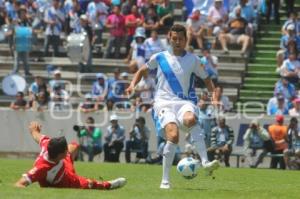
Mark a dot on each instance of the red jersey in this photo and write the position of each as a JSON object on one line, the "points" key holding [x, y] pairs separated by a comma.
{"points": [[132, 18], [51, 174]]}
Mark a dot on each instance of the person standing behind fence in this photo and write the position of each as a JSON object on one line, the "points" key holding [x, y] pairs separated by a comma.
{"points": [[254, 146], [278, 133], [23, 55], [116, 24], [54, 19]]}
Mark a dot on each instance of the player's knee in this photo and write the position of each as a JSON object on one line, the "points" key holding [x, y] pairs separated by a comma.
{"points": [[189, 120], [171, 131]]}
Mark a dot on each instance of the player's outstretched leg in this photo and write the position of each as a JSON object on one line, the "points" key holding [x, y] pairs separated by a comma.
{"points": [[199, 143], [117, 183], [104, 185]]}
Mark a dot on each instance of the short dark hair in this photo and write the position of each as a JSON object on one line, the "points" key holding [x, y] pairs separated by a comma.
{"points": [[20, 93], [141, 119], [178, 28], [57, 146], [91, 119]]}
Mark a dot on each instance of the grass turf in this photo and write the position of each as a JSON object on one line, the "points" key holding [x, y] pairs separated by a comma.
{"points": [[143, 182]]}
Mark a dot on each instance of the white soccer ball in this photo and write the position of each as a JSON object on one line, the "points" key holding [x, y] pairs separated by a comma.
{"points": [[188, 167]]}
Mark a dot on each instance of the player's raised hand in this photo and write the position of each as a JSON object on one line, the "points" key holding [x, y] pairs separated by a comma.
{"points": [[35, 126]]}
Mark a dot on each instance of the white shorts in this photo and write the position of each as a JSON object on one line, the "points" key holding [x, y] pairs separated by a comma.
{"points": [[173, 111]]}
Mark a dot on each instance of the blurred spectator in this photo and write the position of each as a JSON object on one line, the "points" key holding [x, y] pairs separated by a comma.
{"points": [[85, 27], [273, 4], [138, 140], [165, 11], [291, 68], [289, 6], [114, 139], [59, 98], [132, 22], [73, 16], [284, 44], [254, 143], [222, 137], [116, 25], [20, 54], [151, 21], [126, 7], [295, 111], [145, 90], [41, 102], [217, 17], [54, 18], [277, 105], [88, 105], [292, 20], [278, 133], [195, 29], [203, 6], [116, 90], [153, 45], [20, 103], [90, 139], [293, 137], [36, 87], [99, 89], [287, 89], [136, 55], [206, 118], [97, 12], [210, 64], [236, 34], [248, 13], [56, 80], [220, 101]]}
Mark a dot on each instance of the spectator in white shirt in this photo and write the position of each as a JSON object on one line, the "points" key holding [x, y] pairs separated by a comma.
{"points": [[195, 29], [295, 112], [221, 102], [153, 45], [291, 68], [217, 17]]}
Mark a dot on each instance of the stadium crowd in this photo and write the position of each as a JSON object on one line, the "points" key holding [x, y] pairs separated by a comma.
{"points": [[137, 25]]}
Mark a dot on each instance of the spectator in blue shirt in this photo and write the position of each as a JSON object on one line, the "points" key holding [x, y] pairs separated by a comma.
{"points": [[115, 89], [99, 89], [114, 139], [287, 89], [278, 105], [284, 41]]}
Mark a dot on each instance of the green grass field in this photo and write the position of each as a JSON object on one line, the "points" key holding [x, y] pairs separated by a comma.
{"points": [[143, 182]]}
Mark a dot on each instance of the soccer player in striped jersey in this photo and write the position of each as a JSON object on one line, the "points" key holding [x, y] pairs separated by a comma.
{"points": [[175, 99]]}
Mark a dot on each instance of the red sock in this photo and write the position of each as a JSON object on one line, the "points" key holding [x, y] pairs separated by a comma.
{"points": [[101, 185]]}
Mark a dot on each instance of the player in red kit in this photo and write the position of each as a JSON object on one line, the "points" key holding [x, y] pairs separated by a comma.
{"points": [[54, 165]]}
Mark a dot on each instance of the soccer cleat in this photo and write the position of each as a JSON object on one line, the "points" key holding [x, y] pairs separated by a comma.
{"points": [[209, 167], [165, 185], [117, 183]]}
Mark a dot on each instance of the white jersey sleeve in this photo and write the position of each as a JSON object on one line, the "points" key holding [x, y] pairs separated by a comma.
{"points": [[152, 63], [199, 70]]}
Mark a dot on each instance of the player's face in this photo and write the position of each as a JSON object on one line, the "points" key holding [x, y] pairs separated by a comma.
{"points": [[177, 40]]}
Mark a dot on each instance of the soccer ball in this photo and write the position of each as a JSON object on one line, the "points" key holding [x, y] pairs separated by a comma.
{"points": [[188, 167]]}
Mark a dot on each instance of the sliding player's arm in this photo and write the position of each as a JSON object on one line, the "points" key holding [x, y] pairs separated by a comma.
{"points": [[35, 130]]}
